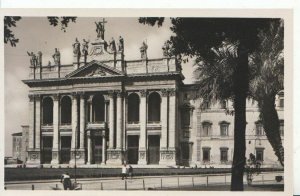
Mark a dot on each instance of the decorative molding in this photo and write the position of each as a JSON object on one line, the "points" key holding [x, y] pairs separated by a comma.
{"points": [[172, 91], [31, 97], [55, 97], [143, 93], [111, 94], [164, 92], [119, 93]]}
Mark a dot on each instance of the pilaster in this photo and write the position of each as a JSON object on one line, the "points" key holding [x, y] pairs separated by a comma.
{"points": [[55, 147], [143, 124], [74, 128]]}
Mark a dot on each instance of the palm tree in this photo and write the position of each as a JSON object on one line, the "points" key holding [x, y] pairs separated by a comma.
{"points": [[267, 69]]}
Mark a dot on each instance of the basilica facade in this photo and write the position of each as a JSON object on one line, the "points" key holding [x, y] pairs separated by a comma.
{"points": [[103, 109]]}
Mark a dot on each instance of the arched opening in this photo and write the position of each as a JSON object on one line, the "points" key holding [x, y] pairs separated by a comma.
{"points": [[133, 108], [47, 111], [98, 108], [66, 110], [154, 107]]}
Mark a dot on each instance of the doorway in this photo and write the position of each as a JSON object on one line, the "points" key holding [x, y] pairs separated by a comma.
{"points": [[47, 142], [65, 149], [133, 149], [97, 149], [153, 149]]}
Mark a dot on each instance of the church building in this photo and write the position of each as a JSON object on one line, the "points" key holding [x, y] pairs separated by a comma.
{"points": [[104, 109]]}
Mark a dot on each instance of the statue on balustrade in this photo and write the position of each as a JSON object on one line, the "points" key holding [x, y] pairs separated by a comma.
{"points": [[85, 47], [33, 59], [143, 50], [39, 58], [56, 57], [112, 45], [100, 29], [76, 50], [121, 44]]}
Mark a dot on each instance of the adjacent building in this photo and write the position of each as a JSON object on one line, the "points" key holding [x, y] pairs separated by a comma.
{"points": [[20, 144], [103, 109]]}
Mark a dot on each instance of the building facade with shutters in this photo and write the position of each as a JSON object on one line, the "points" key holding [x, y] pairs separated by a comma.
{"points": [[102, 109]]}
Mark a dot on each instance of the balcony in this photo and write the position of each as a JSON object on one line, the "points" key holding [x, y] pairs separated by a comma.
{"points": [[133, 125], [97, 125]]}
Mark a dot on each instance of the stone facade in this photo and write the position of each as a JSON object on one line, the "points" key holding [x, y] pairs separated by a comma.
{"points": [[20, 144], [103, 109]]}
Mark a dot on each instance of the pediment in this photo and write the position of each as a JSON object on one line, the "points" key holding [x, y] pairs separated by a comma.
{"points": [[94, 69]]}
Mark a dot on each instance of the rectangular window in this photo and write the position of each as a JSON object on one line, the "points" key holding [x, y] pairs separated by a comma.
{"points": [[259, 129], [206, 154], [224, 129], [224, 154], [206, 127], [259, 154]]}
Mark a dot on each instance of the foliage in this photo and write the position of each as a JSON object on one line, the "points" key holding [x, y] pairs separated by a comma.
{"points": [[10, 21], [63, 21]]}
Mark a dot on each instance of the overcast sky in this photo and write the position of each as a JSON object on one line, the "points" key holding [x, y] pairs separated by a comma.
{"points": [[35, 34]]}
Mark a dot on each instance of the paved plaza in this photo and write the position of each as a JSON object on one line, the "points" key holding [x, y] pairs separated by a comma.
{"points": [[262, 182]]}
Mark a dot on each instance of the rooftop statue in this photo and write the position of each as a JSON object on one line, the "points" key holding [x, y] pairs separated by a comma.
{"points": [[85, 47], [143, 50], [121, 44], [33, 59], [39, 58], [112, 45], [56, 57], [76, 50], [100, 29]]}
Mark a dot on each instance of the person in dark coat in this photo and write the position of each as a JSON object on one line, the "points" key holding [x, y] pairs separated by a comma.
{"points": [[66, 180], [130, 171]]}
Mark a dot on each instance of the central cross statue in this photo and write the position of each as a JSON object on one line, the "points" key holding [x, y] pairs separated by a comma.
{"points": [[100, 28]]}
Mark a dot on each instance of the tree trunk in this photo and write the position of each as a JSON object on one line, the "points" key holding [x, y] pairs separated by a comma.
{"points": [[271, 125], [241, 85]]}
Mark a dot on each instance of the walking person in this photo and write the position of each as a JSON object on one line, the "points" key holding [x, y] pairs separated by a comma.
{"points": [[124, 171], [130, 171], [66, 180]]}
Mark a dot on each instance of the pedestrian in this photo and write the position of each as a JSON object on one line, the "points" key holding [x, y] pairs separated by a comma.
{"points": [[124, 171], [66, 180], [130, 171]]}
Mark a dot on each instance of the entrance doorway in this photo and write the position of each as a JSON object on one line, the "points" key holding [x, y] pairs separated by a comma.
{"points": [[65, 149], [153, 149], [97, 149], [47, 142], [133, 149]]}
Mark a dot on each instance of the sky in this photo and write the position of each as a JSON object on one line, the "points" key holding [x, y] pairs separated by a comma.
{"points": [[35, 34]]}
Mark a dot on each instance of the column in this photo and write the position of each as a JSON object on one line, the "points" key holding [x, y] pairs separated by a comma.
{"points": [[55, 147], [103, 149], [82, 120], [111, 120], [172, 118], [164, 127], [164, 120], [171, 159], [74, 128], [143, 129], [33, 154], [74, 121], [89, 150], [31, 122], [37, 122], [119, 120], [81, 151]]}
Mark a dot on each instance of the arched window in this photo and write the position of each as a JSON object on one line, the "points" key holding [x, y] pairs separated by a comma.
{"points": [[154, 107], [133, 108], [47, 111], [66, 110], [98, 108]]}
